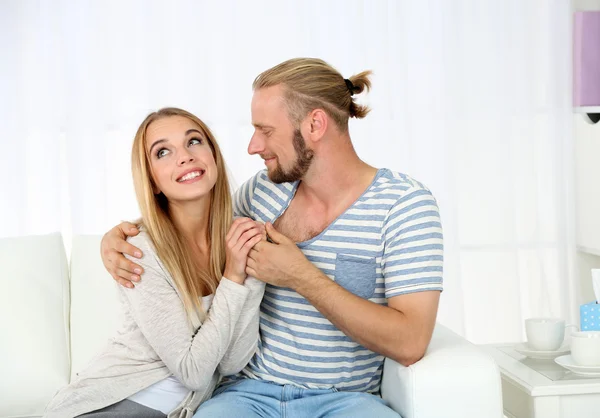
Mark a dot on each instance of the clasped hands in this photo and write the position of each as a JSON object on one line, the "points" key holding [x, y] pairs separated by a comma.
{"points": [[279, 262]]}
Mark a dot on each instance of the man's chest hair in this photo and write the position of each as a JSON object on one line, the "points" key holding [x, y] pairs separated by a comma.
{"points": [[301, 224]]}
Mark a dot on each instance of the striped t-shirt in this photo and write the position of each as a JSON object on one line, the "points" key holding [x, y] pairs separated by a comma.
{"points": [[388, 243]]}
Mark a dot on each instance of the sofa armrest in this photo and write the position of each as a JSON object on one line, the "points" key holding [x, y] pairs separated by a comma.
{"points": [[454, 379]]}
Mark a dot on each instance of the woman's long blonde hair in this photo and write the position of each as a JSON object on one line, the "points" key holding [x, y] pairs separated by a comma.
{"points": [[173, 251]]}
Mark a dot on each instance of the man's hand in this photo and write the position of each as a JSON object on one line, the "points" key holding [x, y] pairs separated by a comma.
{"points": [[113, 246], [280, 263]]}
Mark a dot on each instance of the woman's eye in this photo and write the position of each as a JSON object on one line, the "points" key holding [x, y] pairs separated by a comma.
{"points": [[195, 141], [162, 152]]}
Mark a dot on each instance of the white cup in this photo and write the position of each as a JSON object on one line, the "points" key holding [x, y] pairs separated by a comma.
{"points": [[585, 348], [545, 334]]}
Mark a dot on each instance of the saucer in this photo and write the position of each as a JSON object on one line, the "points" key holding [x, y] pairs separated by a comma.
{"points": [[524, 349], [568, 363]]}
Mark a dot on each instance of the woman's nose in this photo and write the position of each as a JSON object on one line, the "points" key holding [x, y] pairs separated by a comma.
{"points": [[185, 158]]}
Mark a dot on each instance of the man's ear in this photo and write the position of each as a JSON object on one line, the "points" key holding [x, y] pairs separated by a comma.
{"points": [[318, 120]]}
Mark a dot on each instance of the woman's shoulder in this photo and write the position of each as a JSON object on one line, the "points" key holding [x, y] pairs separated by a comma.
{"points": [[150, 260], [143, 242], [142, 238]]}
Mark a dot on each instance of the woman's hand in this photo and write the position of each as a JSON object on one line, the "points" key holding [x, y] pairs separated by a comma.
{"points": [[242, 236]]}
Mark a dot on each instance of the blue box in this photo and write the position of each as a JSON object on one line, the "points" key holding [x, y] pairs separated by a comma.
{"points": [[589, 316]]}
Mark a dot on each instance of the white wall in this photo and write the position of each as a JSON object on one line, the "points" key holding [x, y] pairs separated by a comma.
{"points": [[480, 114]]}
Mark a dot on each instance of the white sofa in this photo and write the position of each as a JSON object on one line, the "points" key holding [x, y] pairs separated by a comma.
{"points": [[54, 317]]}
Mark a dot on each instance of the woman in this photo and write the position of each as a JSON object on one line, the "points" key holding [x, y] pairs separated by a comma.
{"points": [[171, 349]]}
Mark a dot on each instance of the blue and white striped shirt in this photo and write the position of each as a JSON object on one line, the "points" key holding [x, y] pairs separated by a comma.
{"points": [[388, 243]]}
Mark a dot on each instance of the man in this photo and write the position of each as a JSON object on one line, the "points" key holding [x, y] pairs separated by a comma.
{"points": [[354, 263]]}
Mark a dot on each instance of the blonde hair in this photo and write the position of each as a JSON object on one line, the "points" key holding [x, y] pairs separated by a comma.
{"points": [[311, 83], [170, 245]]}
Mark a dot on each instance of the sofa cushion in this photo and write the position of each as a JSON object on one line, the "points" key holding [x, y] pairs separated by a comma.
{"points": [[95, 309], [34, 306]]}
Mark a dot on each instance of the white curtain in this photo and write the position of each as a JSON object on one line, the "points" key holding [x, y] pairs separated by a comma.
{"points": [[470, 97]]}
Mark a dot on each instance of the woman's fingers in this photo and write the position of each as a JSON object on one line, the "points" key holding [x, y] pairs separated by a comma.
{"points": [[246, 236], [237, 227], [251, 243]]}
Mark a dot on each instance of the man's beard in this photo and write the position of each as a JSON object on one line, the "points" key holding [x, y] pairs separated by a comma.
{"points": [[301, 165]]}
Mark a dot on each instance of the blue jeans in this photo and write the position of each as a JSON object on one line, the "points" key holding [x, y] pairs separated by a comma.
{"points": [[253, 398]]}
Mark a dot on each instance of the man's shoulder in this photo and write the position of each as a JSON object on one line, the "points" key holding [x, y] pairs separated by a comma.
{"points": [[260, 197], [261, 181], [398, 184]]}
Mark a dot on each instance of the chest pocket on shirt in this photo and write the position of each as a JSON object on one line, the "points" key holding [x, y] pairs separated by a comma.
{"points": [[356, 274]]}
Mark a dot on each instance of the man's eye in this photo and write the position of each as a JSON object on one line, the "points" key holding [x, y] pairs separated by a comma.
{"points": [[196, 141], [162, 152]]}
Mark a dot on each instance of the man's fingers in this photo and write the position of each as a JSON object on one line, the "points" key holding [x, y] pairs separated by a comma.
{"points": [[124, 264], [126, 248], [124, 274], [250, 271], [251, 263], [276, 236], [123, 282], [128, 229], [252, 254], [263, 232]]}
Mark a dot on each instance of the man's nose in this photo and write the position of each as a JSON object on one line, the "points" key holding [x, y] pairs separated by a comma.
{"points": [[256, 145]]}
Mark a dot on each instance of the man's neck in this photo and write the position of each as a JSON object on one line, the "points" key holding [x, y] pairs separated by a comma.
{"points": [[336, 175]]}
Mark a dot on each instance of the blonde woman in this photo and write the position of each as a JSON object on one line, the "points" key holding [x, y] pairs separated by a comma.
{"points": [[194, 316]]}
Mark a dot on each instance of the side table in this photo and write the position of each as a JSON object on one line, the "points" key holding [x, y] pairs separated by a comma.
{"points": [[534, 388]]}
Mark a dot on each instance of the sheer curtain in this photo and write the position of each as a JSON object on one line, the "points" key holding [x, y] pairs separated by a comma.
{"points": [[471, 98]]}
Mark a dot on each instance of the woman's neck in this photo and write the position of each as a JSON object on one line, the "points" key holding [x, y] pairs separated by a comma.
{"points": [[191, 218]]}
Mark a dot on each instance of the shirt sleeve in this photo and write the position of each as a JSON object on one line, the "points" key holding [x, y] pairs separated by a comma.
{"points": [[413, 253], [242, 198], [191, 355]]}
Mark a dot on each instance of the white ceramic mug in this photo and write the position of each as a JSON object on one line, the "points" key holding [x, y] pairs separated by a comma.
{"points": [[585, 348], [545, 334]]}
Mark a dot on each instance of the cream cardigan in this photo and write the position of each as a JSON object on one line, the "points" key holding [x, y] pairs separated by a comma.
{"points": [[157, 339]]}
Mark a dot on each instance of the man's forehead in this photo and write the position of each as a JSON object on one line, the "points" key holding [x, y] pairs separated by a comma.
{"points": [[267, 103], [272, 97]]}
